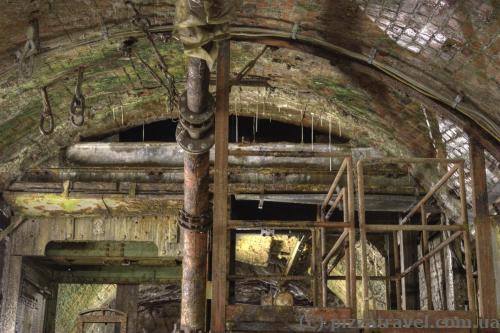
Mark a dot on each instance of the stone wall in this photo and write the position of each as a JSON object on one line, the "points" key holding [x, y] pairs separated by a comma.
{"points": [[75, 298]]}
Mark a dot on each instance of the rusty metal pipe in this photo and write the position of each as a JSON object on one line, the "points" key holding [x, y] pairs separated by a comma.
{"points": [[196, 204], [198, 79]]}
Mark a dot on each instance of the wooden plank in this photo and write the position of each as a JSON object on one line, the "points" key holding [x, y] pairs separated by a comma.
{"points": [[11, 289], [118, 274], [412, 227], [285, 225], [50, 205], [432, 253], [220, 252], [11, 228], [49, 320], [427, 264], [127, 296], [487, 284], [280, 318]]}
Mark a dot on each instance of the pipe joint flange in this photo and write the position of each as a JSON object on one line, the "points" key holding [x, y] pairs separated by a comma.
{"points": [[197, 124], [200, 223], [193, 117], [191, 145]]}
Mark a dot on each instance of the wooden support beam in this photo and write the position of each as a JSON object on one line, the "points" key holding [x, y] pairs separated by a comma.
{"points": [[220, 253], [118, 274], [11, 290], [11, 227], [397, 268], [49, 320], [87, 205], [427, 264], [381, 228], [127, 297], [432, 253], [285, 225], [281, 318], [484, 232]]}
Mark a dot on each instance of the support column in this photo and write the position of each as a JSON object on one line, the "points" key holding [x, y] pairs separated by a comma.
{"points": [[49, 320], [220, 235], [11, 289], [195, 136], [126, 301], [410, 284], [484, 233]]}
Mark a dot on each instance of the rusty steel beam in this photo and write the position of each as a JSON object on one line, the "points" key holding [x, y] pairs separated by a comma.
{"points": [[484, 231], [195, 214], [221, 180]]}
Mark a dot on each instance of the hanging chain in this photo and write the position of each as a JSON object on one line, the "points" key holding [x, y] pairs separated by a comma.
{"points": [[46, 116], [144, 24], [77, 106], [25, 56]]}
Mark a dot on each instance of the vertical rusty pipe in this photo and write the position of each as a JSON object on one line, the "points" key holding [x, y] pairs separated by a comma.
{"points": [[196, 203], [198, 79]]}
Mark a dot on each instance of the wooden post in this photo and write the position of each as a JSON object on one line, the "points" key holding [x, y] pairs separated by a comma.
{"points": [[427, 263], [11, 289], [49, 319], [220, 253], [484, 233], [471, 295], [410, 283], [397, 268], [363, 239], [126, 301], [352, 239]]}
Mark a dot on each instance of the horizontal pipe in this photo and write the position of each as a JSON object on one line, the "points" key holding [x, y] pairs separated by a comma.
{"points": [[176, 175], [169, 154]]}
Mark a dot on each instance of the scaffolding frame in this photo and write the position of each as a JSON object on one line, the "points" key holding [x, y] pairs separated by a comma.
{"points": [[459, 231], [319, 256]]}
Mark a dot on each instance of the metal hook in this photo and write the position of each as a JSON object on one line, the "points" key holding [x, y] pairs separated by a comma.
{"points": [[77, 106], [46, 114]]}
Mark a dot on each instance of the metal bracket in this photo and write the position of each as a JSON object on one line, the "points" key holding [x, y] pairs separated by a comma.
{"points": [[200, 223], [195, 131], [267, 232]]}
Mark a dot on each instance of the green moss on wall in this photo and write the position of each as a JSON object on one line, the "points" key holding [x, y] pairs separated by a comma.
{"points": [[75, 298]]}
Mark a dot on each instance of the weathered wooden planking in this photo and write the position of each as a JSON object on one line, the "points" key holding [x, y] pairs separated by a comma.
{"points": [[240, 317], [51, 205], [31, 238]]}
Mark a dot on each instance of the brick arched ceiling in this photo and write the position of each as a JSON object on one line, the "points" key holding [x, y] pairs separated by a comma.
{"points": [[363, 49]]}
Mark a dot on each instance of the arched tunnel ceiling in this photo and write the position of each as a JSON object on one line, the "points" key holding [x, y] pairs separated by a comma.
{"points": [[359, 101]]}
